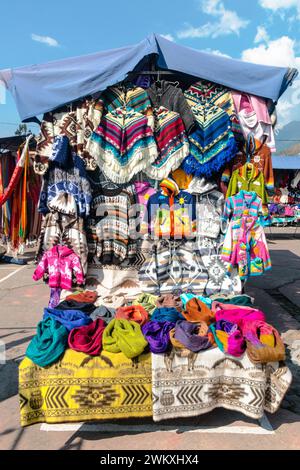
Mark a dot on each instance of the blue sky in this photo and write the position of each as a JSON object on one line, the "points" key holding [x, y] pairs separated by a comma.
{"points": [[35, 32]]}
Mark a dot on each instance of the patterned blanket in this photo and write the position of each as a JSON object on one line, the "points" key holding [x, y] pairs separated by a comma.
{"points": [[82, 388], [198, 383]]}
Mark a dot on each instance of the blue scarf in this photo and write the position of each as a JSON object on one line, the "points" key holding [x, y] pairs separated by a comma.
{"points": [[170, 314], [68, 318]]}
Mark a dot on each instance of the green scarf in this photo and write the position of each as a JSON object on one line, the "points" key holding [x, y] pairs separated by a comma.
{"points": [[148, 301], [49, 343], [124, 336]]}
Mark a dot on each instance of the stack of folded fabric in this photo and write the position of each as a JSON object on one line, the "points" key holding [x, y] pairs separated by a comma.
{"points": [[103, 312], [88, 296], [240, 316]]}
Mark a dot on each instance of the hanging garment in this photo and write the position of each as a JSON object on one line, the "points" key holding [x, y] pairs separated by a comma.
{"points": [[260, 156], [77, 122], [247, 178], [170, 213], [58, 182], [54, 297], [59, 263], [123, 144], [112, 229], [143, 191], [209, 209], [220, 280], [172, 144], [58, 228], [212, 143], [254, 118], [173, 267], [204, 92], [171, 97], [125, 94]]}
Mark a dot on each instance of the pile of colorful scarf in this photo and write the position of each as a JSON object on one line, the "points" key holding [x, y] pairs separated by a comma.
{"points": [[68, 318], [186, 297], [240, 316], [135, 313], [157, 335], [193, 336], [88, 338], [169, 314], [124, 336], [263, 342], [49, 343], [196, 311], [228, 337]]}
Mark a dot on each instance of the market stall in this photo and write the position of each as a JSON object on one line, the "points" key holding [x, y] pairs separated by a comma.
{"points": [[156, 178]]}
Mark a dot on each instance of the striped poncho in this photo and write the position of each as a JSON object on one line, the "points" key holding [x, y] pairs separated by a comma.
{"points": [[123, 144], [171, 141]]}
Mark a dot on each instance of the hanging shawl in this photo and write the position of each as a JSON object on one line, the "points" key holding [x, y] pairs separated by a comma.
{"points": [[69, 318], [49, 343], [228, 337], [88, 338], [124, 336], [135, 313], [123, 144], [193, 336], [158, 335], [263, 342]]}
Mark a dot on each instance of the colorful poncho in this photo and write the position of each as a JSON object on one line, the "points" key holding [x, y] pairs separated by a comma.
{"points": [[171, 141], [123, 144], [212, 143]]}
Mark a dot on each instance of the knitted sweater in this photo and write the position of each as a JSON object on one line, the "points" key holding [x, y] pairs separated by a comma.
{"points": [[247, 178], [112, 226], [143, 192]]}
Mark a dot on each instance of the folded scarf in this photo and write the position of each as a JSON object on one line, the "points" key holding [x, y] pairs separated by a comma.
{"points": [[103, 312], [135, 313], [175, 343], [192, 335], [85, 307], [88, 296], [216, 305], [263, 343], [169, 301], [148, 301], [49, 343], [68, 318], [244, 299], [158, 335], [186, 297], [228, 337], [124, 336], [196, 311], [88, 338], [166, 314], [240, 316]]}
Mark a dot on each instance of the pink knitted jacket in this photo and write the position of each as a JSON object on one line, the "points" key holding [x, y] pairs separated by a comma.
{"points": [[59, 262]]}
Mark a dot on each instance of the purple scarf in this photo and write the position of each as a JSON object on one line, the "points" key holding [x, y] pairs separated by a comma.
{"points": [[187, 333], [158, 335]]}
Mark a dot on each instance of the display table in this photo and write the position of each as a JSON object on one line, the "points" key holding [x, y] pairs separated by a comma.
{"points": [[110, 386]]}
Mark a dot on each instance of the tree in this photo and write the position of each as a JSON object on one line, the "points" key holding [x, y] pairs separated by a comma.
{"points": [[22, 130]]}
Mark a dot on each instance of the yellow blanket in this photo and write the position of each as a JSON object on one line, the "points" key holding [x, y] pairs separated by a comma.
{"points": [[82, 388]]}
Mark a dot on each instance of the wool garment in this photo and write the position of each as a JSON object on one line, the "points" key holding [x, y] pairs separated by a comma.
{"points": [[148, 301], [192, 335], [263, 342], [68, 318], [175, 343], [172, 144], [124, 336], [87, 296], [228, 337], [201, 185], [49, 343], [205, 92], [240, 316], [196, 311], [135, 313], [216, 305], [188, 296], [169, 301], [85, 307], [247, 178], [103, 312], [143, 191], [134, 97], [181, 178], [241, 300], [157, 334], [54, 297], [169, 314], [88, 338], [123, 144]]}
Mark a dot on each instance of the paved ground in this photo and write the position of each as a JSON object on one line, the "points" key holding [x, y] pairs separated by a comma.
{"points": [[278, 294]]}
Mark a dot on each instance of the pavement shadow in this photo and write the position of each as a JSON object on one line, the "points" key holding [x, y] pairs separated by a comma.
{"points": [[9, 385]]}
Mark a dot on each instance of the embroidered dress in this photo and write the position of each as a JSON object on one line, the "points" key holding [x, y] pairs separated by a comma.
{"points": [[123, 144], [171, 141]]}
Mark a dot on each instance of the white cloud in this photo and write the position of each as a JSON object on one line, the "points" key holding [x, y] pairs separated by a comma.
{"points": [[227, 22], [261, 35], [170, 37], [279, 52], [279, 6], [45, 40], [216, 52]]}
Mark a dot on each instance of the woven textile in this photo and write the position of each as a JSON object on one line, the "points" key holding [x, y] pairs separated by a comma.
{"points": [[203, 92], [123, 144], [190, 385], [171, 141], [82, 388]]}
